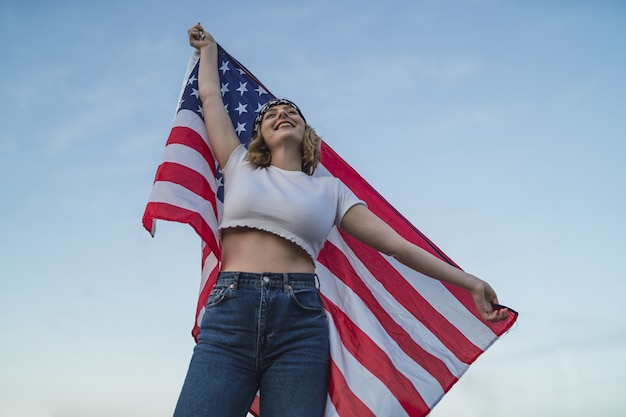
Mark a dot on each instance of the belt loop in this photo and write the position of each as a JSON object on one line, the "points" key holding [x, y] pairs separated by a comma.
{"points": [[235, 283], [285, 282]]}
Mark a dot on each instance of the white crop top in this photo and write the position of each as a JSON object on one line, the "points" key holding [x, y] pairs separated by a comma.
{"points": [[290, 204]]}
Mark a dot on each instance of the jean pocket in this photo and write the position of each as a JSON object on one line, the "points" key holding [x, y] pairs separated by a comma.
{"points": [[307, 299], [218, 295]]}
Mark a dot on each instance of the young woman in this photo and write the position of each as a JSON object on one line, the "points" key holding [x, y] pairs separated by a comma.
{"points": [[264, 327]]}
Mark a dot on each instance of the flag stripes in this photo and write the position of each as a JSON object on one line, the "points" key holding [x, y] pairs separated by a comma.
{"points": [[369, 354], [399, 340], [390, 293], [342, 401], [339, 168], [396, 332], [418, 299]]}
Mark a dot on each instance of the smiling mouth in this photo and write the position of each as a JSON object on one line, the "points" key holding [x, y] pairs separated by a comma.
{"points": [[284, 124]]}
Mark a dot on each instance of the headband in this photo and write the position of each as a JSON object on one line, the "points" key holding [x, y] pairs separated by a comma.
{"points": [[273, 103]]}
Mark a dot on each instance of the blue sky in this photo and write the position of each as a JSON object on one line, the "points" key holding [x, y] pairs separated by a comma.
{"points": [[496, 127]]}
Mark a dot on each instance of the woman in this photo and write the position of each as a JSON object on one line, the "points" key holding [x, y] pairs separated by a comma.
{"points": [[264, 327]]}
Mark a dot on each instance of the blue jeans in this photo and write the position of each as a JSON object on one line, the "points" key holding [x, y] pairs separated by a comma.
{"points": [[264, 332]]}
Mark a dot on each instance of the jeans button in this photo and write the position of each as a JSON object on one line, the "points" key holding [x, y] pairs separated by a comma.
{"points": [[266, 279]]}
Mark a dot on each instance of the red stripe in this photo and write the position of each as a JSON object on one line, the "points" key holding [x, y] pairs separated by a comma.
{"points": [[398, 286], [205, 291], [345, 401], [379, 206], [189, 179], [207, 250], [255, 408], [375, 360], [186, 136], [169, 212], [355, 341], [376, 203], [336, 261]]}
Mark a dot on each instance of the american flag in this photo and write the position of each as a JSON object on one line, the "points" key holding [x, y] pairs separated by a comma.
{"points": [[399, 340]]}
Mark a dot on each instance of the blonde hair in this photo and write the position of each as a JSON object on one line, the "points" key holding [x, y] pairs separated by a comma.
{"points": [[259, 154]]}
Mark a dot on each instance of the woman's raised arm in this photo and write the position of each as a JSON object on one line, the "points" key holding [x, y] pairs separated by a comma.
{"points": [[222, 136]]}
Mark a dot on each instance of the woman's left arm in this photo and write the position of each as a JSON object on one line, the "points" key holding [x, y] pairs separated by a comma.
{"points": [[365, 226]]}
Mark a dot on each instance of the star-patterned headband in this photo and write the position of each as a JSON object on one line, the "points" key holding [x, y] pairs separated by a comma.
{"points": [[269, 105]]}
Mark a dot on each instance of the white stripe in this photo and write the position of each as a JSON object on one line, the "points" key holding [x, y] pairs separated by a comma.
{"points": [[192, 120], [475, 330], [200, 315], [330, 411], [343, 297], [210, 263], [179, 196], [438, 296], [195, 57], [190, 158], [369, 389], [415, 328]]}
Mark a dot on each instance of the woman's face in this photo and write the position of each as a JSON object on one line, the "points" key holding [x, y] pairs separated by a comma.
{"points": [[280, 123]]}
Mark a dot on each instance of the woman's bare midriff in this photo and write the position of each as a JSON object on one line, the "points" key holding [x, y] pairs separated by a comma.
{"points": [[252, 250]]}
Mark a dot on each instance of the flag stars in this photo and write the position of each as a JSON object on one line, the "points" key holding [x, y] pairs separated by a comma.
{"points": [[224, 89], [242, 87], [224, 67], [242, 108], [195, 93], [260, 90], [241, 127], [192, 79]]}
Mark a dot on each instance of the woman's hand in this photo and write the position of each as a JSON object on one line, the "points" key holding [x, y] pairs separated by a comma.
{"points": [[486, 301], [198, 38]]}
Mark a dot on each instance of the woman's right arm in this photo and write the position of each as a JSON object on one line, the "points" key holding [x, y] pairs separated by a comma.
{"points": [[222, 136]]}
